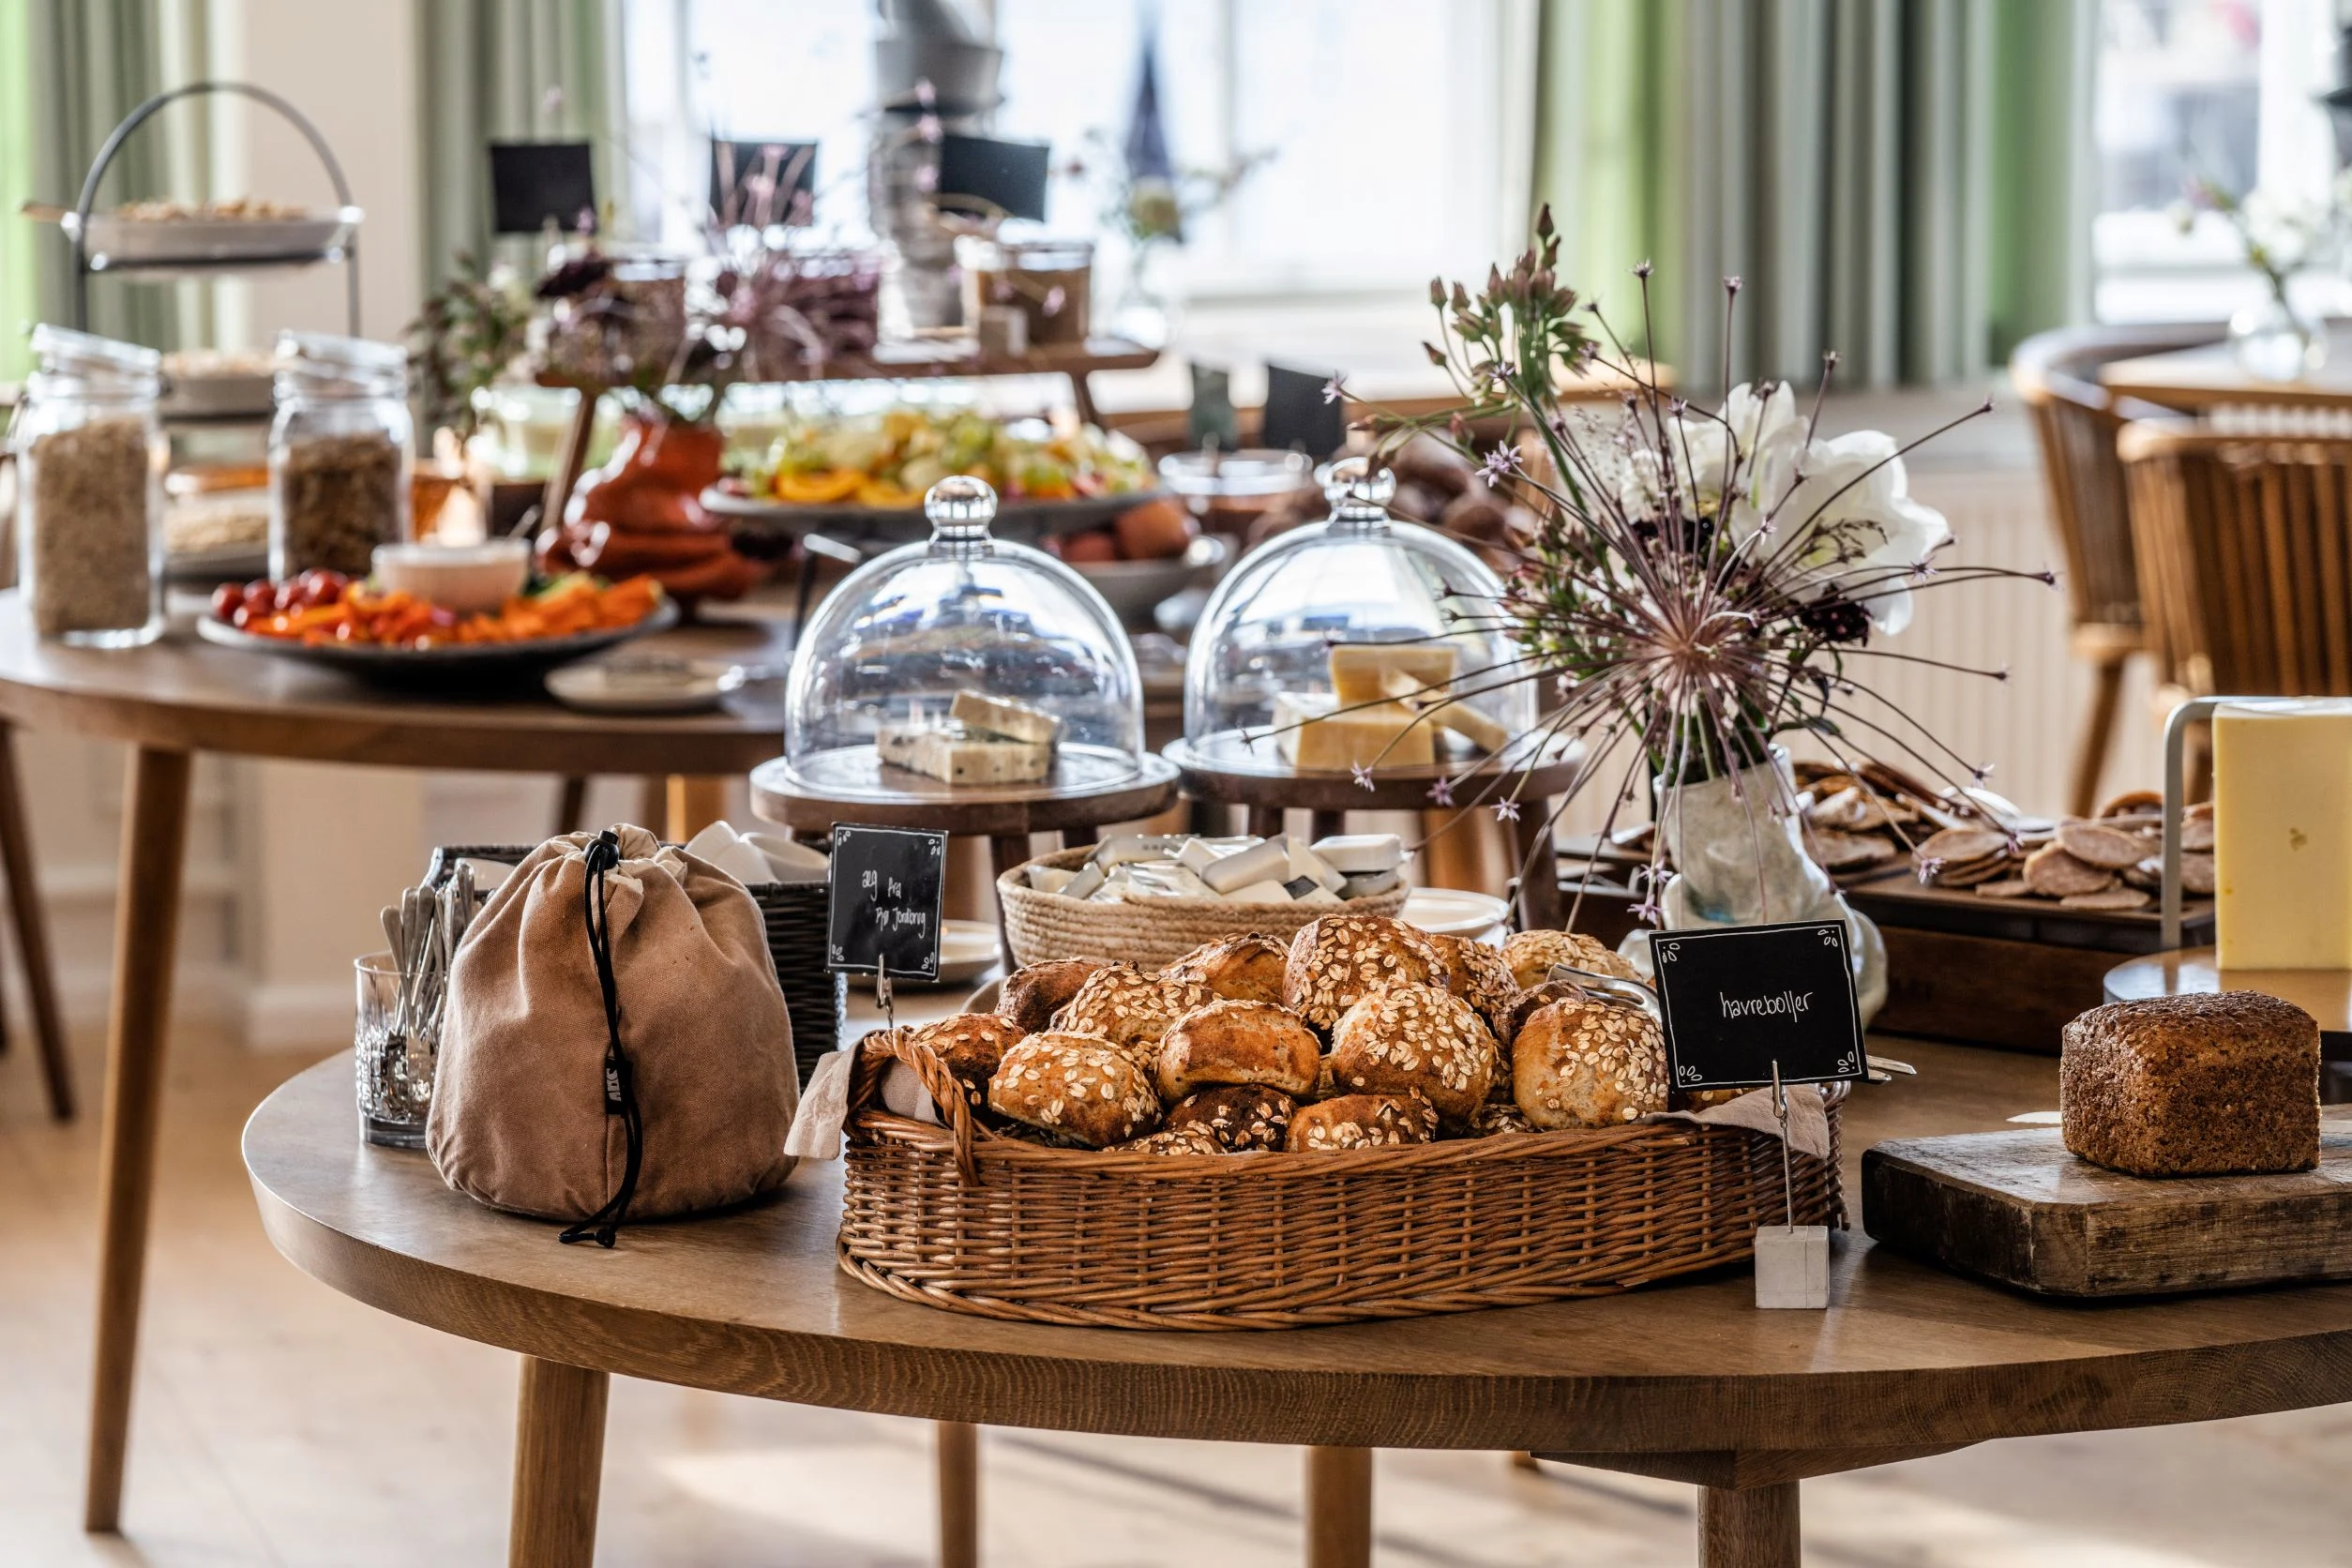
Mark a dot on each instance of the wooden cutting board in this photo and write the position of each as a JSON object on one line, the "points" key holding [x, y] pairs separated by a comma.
{"points": [[2017, 1208]]}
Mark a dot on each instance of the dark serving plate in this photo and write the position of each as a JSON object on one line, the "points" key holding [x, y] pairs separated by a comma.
{"points": [[503, 663]]}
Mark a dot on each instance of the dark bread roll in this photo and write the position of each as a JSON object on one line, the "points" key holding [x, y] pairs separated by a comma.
{"points": [[1362, 1121], [1533, 953], [1238, 1042], [1130, 1008], [1416, 1040], [971, 1044], [1079, 1086], [1588, 1063], [2200, 1085], [1239, 1116], [1237, 968], [1336, 959], [1481, 976], [1175, 1140], [1528, 1001], [1032, 993]]}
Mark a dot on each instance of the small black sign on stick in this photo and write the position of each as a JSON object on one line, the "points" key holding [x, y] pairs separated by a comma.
{"points": [[1739, 998], [883, 918]]}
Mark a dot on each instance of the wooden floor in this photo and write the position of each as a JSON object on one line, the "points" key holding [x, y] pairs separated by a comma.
{"points": [[278, 1423]]}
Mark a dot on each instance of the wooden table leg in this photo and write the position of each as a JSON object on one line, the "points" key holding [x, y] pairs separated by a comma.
{"points": [[693, 805], [958, 1443], [32, 933], [146, 925], [1325, 824], [571, 804], [1265, 820], [1753, 1527], [1539, 887], [558, 1463], [1339, 1508], [574, 457]]}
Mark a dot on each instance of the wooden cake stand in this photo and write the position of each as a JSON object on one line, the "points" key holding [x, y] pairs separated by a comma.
{"points": [[1090, 786], [1220, 768]]}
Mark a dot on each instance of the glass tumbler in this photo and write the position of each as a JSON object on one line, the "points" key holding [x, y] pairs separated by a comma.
{"points": [[394, 1056]]}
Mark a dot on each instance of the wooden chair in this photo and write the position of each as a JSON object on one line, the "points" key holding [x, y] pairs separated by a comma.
{"points": [[2245, 557], [2057, 376]]}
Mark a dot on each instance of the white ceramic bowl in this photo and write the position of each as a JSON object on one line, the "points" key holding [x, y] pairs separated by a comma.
{"points": [[466, 579]]}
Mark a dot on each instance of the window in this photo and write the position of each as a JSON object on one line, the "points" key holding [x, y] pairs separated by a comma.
{"points": [[1385, 119], [2217, 90]]}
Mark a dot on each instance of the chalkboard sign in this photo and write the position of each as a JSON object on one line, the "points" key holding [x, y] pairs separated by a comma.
{"points": [[886, 888], [534, 184], [1008, 175], [1300, 413], [1737, 999]]}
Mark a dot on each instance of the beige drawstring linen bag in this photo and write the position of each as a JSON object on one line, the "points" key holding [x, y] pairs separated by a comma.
{"points": [[615, 1046]]}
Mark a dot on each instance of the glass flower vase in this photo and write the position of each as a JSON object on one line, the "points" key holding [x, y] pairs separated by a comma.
{"points": [[2274, 341]]}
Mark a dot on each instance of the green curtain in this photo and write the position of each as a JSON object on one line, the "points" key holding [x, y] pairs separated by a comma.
{"points": [[89, 63], [20, 291], [1904, 181], [510, 71]]}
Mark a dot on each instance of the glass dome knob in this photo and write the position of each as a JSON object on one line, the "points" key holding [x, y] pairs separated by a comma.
{"points": [[961, 506], [1358, 492]]}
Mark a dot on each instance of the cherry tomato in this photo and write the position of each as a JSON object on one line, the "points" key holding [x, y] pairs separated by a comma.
{"points": [[260, 599], [225, 601], [319, 586]]}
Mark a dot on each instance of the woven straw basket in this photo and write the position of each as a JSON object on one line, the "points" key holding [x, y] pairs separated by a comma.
{"points": [[1042, 925], [956, 1217]]}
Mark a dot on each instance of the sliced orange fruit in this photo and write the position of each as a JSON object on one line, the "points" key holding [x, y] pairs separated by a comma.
{"points": [[882, 493], [818, 487]]}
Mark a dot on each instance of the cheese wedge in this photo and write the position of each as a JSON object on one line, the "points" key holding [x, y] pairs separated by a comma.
{"points": [[1314, 737], [1460, 717], [996, 715], [1361, 671], [954, 755], [2283, 833]]}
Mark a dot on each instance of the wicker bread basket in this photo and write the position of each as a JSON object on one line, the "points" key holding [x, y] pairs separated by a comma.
{"points": [[1042, 925], [958, 1216]]}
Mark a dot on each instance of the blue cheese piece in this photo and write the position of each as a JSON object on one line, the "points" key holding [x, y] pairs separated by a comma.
{"points": [[997, 715], [1355, 855], [954, 755], [1268, 860]]}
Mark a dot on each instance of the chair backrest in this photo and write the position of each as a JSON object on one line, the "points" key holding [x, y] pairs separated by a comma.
{"points": [[2057, 376], [2245, 555]]}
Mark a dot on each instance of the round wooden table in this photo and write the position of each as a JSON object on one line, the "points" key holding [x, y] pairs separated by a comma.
{"points": [[1689, 1381], [179, 695]]}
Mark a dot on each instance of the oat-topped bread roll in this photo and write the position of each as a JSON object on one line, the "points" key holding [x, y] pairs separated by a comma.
{"points": [[1531, 955], [1588, 1063], [1482, 976], [1079, 1086], [1362, 1121], [1336, 958], [1415, 1040], [1524, 1006], [971, 1044], [1499, 1116], [1175, 1140], [2192, 1085], [1034, 993], [1239, 1116], [1130, 1008], [1237, 968], [1238, 1042]]}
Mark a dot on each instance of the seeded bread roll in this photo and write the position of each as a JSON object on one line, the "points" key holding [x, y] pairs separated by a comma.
{"points": [[1176, 1140], [1238, 1042], [1079, 1086], [1130, 1008], [1499, 1117], [1034, 993], [2205, 1085], [1701, 1099], [1238, 1117], [1588, 1065], [1237, 968], [1531, 955], [1528, 1001], [1481, 977], [1415, 1040], [971, 1044], [1337, 958], [1362, 1121]]}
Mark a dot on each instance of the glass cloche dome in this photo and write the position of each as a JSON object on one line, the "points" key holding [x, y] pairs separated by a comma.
{"points": [[1354, 642], [965, 662]]}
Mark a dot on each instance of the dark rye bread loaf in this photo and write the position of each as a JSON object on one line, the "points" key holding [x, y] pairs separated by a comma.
{"points": [[2211, 1085]]}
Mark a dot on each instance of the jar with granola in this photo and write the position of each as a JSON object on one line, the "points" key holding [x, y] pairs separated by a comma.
{"points": [[339, 454], [90, 456]]}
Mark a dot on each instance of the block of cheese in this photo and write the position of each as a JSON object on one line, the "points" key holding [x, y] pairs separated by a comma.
{"points": [[1306, 863], [1485, 734], [2283, 833], [1315, 738], [1362, 671], [1014, 721], [1355, 855], [954, 755], [1270, 859]]}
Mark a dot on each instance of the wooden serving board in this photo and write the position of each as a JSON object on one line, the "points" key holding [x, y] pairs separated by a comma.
{"points": [[2017, 1208]]}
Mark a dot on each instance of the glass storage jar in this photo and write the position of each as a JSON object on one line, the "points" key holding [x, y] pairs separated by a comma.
{"points": [[339, 454], [963, 665], [1049, 281], [1275, 682], [90, 455]]}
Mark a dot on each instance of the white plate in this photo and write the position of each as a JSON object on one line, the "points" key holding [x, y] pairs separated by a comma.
{"points": [[966, 949], [1453, 911], [203, 242], [650, 684]]}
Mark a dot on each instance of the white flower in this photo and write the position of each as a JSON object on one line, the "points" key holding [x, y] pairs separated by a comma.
{"points": [[1850, 526], [1754, 433]]}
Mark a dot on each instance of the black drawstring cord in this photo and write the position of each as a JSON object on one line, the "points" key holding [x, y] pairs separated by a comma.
{"points": [[620, 1081]]}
